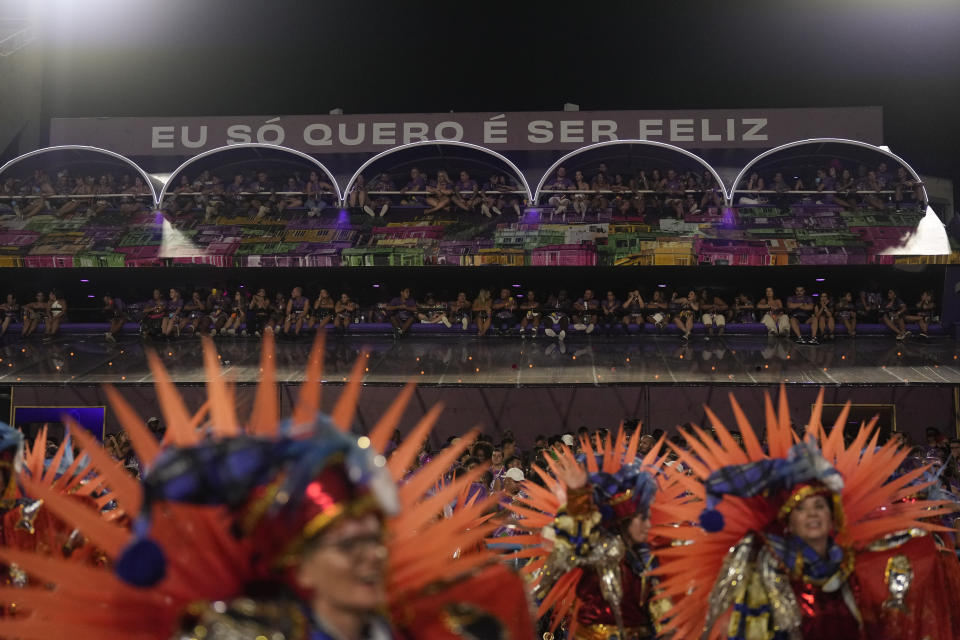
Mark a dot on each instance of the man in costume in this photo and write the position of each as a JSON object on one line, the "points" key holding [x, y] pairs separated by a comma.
{"points": [[810, 539], [292, 531], [590, 534]]}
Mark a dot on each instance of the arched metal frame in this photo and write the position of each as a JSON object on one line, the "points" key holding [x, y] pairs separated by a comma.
{"points": [[457, 143], [790, 145], [648, 143], [250, 145], [82, 147]]}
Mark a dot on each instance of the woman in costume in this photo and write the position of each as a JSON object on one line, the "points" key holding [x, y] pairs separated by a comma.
{"points": [[292, 531], [587, 534], [809, 539]]}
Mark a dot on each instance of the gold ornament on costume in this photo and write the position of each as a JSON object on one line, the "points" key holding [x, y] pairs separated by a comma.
{"points": [[898, 576]]}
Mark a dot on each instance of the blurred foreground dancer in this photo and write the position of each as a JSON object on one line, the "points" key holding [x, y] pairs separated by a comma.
{"points": [[292, 531]]}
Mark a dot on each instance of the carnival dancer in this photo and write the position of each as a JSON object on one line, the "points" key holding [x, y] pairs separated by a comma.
{"points": [[809, 539], [263, 529], [588, 536]]}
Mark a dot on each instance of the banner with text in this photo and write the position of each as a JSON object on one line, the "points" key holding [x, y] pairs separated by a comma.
{"points": [[506, 131]]}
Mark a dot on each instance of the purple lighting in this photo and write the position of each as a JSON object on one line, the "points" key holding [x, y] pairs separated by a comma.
{"points": [[662, 286], [820, 279], [90, 295], [376, 286], [84, 280], [516, 286]]}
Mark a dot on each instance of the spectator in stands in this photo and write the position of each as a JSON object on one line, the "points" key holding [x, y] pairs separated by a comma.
{"points": [[258, 313], [846, 191], [323, 311], [581, 197], [823, 322], [674, 188], [800, 310], [601, 187], [868, 306], [433, 311], [460, 310], [774, 317], [684, 310], [894, 309], [174, 311], [846, 310], [505, 310], [345, 311], [56, 313], [381, 201], [908, 190], [658, 312], [711, 192], [193, 312], [531, 313], [416, 186], [869, 188], [482, 309], [278, 312], [467, 193], [218, 312], [402, 310], [357, 198], [492, 201], [632, 311], [238, 314], [442, 194], [151, 325], [559, 200], [33, 314], [752, 190], [317, 190], [611, 311], [714, 311], [587, 308], [296, 312], [923, 313], [781, 188], [10, 310], [744, 311], [293, 196]]}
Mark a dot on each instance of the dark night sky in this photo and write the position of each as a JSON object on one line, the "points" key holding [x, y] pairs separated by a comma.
{"points": [[208, 57]]}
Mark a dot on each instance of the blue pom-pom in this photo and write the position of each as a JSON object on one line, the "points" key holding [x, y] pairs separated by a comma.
{"points": [[711, 520], [142, 564]]}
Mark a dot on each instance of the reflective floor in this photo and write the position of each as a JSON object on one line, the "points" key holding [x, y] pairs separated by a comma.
{"points": [[434, 360]]}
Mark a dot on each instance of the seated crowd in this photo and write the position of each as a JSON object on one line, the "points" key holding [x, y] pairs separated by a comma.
{"points": [[69, 193], [258, 195], [239, 313], [657, 194], [836, 184]]}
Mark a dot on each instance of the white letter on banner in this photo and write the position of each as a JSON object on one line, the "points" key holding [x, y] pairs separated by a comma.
{"points": [[647, 131], [238, 134], [326, 135], [414, 132], [193, 144], [705, 134], [681, 135], [384, 133], [438, 131], [495, 131], [352, 142], [275, 129], [603, 129], [540, 131], [571, 131], [162, 138], [753, 134]]}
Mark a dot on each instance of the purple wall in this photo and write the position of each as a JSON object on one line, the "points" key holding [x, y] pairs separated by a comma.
{"points": [[532, 410]]}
